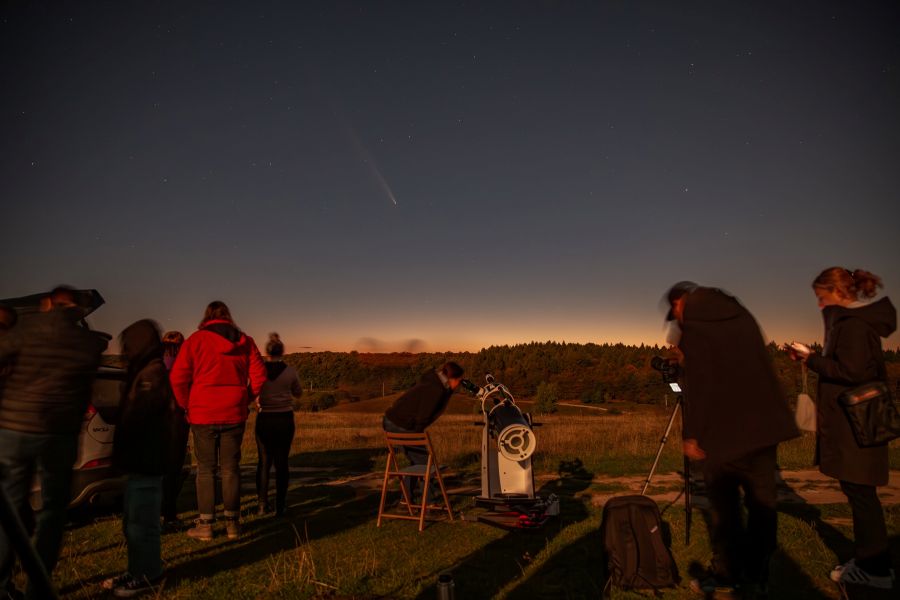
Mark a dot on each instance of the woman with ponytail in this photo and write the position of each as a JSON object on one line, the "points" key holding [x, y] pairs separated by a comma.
{"points": [[852, 356], [275, 425]]}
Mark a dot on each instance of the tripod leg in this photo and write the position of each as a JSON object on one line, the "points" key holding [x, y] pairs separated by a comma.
{"points": [[662, 444], [688, 501]]}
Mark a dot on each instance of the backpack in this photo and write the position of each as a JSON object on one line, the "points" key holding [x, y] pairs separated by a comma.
{"points": [[637, 555]]}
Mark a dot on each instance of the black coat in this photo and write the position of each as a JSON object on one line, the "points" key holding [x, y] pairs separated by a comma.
{"points": [[421, 405], [144, 423], [733, 402], [54, 363], [852, 356]]}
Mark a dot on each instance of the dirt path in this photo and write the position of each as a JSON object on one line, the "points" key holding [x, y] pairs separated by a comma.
{"points": [[800, 487]]}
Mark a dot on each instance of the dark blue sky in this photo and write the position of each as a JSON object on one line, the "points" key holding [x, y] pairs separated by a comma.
{"points": [[368, 174]]}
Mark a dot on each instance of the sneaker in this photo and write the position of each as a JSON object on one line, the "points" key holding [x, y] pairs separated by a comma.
{"points": [[202, 530], [850, 573], [713, 588], [232, 528], [114, 582], [135, 586]]}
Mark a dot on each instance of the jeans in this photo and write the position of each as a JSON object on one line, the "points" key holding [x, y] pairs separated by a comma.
{"points": [[743, 551], [51, 456], [218, 447], [140, 523], [274, 434]]}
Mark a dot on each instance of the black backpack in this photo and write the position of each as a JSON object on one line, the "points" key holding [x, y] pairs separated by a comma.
{"points": [[637, 554]]}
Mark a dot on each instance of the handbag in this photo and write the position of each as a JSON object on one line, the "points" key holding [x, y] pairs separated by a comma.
{"points": [[805, 413], [873, 416]]}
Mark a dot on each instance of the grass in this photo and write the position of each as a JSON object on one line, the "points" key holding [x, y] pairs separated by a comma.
{"points": [[329, 547]]}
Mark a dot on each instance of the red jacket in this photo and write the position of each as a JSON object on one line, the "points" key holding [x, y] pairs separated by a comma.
{"points": [[211, 374]]}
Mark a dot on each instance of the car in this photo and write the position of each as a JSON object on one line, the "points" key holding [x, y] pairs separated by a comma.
{"points": [[93, 474]]}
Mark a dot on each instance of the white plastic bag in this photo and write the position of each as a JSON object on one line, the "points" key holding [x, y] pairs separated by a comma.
{"points": [[805, 414]]}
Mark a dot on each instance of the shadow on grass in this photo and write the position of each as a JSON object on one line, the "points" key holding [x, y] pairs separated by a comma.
{"points": [[484, 572], [836, 541], [314, 510]]}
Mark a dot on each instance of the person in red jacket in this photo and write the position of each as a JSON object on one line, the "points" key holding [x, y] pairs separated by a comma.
{"points": [[210, 380]]}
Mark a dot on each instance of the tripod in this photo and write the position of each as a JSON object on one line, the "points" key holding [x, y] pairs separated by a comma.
{"points": [[687, 471]]}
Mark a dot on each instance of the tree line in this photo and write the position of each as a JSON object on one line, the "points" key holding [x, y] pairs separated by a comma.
{"points": [[591, 373]]}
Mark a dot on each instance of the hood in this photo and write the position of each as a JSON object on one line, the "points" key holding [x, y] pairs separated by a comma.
{"points": [[710, 305], [228, 339], [880, 315], [140, 343]]}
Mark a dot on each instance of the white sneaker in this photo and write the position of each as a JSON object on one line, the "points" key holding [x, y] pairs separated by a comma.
{"points": [[850, 573]]}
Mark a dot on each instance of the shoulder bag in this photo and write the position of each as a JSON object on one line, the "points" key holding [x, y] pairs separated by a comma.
{"points": [[873, 415]]}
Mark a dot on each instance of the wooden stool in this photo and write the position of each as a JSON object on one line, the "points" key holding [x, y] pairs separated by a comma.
{"points": [[415, 512]]}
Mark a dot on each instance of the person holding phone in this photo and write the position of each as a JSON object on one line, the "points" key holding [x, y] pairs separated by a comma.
{"points": [[852, 356]]}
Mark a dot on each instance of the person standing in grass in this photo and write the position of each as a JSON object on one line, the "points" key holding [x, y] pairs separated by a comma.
{"points": [[53, 362], [176, 449], [139, 450], [421, 406], [852, 356], [216, 375], [735, 415], [275, 425]]}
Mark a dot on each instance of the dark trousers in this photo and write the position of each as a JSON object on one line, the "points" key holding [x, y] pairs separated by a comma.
{"points": [[274, 434], [872, 551], [173, 478], [416, 455], [218, 447], [742, 551], [140, 523], [51, 456]]}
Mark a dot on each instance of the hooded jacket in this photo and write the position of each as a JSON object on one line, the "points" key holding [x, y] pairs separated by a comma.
{"points": [[54, 362], [851, 356], [733, 402], [211, 374], [142, 427]]}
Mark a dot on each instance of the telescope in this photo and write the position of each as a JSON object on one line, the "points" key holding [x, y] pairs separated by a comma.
{"points": [[507, 444]]}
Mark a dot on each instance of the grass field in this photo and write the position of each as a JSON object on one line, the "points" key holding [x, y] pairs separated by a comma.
{"points": [[329, 547]]}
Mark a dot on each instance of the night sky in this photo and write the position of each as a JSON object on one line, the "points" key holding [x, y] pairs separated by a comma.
{"points": [[428, 176]]}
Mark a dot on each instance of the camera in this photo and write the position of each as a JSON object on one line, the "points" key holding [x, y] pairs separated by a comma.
{"points": [[668, 367]]}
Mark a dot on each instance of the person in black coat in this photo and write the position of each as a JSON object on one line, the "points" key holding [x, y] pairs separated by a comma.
{"points": [[139, 449], [852, 356], [421, 406], [735, 415], [173, 478]]}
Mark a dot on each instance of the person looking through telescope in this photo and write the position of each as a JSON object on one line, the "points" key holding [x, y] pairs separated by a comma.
{"points": [[420, 406], [735, 414]]}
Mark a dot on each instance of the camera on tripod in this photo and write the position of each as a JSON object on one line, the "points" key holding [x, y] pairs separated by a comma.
{"points": [[669, 369]]}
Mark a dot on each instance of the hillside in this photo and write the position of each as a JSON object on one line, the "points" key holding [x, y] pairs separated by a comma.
{"points": [[583, 372]]}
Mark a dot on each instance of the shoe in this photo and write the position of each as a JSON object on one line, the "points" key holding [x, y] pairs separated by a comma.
{"points": [[202, 530], [170, 526], [262, 509], [134, 586], [850, 573], [232, 528], [713, 588], [114, 582]]}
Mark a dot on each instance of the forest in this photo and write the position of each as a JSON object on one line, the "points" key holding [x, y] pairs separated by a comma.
{"points": [[590, 373]]}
